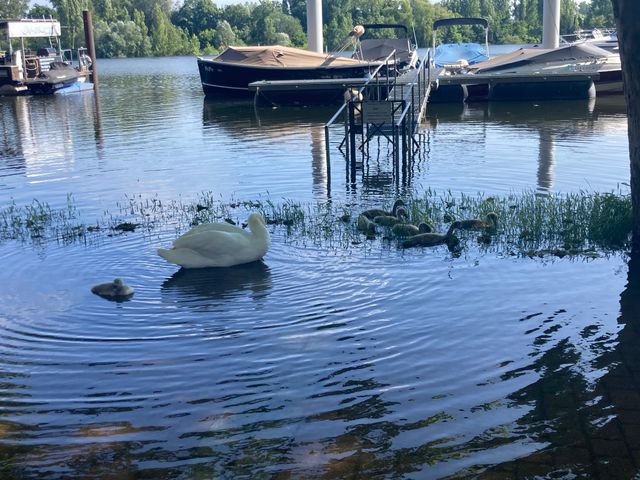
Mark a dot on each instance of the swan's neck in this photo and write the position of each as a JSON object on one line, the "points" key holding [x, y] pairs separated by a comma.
{"points": [[259, 230]]}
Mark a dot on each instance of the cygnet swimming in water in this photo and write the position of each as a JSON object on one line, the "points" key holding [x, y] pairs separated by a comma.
{"points": [[408, 229], [476, 224], [366, 226], [391, 220], [115, 290], [378, 212], [431, 239]]}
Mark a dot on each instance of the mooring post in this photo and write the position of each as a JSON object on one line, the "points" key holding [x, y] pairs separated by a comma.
{"points": [[352, 142], [88, 38]]}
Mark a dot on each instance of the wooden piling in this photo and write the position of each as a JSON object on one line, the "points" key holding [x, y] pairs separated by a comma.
{"points": [[88, 38]]}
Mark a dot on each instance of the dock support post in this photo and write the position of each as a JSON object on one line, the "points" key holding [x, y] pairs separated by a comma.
{"points": [[88, 38], [314, 25], [551, 24], [352, 143]]}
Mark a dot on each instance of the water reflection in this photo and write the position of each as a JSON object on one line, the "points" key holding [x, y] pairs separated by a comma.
{"points": [[244, 120], [38, 133], [218, 283], [568, 121], [239, 118]]}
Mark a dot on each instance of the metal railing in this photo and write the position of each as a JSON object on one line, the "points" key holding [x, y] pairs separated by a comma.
{"points": [[390, 106]]}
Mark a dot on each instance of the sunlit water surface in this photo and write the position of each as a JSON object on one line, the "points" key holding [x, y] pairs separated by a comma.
{"points": [[353, 361]]}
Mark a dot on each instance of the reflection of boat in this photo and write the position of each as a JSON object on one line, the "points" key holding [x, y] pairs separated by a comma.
{"points": [[239, 117], [48, 69], [235, 68], [218, 283]]}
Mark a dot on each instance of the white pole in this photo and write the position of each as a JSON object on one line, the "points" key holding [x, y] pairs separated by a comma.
{"points": [[551, 24], [314, 25]]}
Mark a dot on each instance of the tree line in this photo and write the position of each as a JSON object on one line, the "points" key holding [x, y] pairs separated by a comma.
{"points": [[135, 28]]}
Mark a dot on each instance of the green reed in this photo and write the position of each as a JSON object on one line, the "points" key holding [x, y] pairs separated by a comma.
{"points": [[529, 223]]}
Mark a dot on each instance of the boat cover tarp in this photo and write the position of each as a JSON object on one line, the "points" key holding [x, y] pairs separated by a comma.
{"points": [[451, 53], [575, 52], [381, 48], [279, 56]]}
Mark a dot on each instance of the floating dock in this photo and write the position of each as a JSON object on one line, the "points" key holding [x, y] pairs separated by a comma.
{"points": [[514, 87]]}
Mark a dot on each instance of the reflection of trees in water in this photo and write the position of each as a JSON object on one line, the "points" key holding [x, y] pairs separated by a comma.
{"points": [[591, 426], [10, 144], [553, 120]]}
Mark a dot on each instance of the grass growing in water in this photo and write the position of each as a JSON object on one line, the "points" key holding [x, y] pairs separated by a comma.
{"points": [[528, 223]]}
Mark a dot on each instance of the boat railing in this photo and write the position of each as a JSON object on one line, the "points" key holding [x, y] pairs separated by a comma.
{"points": [[375, 77]]}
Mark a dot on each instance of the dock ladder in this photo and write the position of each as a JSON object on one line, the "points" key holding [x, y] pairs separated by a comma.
{"points": [[386, 107]]}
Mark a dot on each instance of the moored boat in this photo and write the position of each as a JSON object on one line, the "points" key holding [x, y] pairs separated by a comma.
{"points": [[572, 71], [403, 48], [231, 72], [47, 69]]}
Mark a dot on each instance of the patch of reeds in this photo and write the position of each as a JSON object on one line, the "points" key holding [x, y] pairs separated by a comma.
{"points": [[528, 223], [38, 222]]}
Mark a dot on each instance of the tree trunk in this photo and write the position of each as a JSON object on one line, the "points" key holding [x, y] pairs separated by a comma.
{"points": [[627, 14]]}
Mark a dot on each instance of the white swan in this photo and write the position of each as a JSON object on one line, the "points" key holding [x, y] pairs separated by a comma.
{"points": [[220, 245]]}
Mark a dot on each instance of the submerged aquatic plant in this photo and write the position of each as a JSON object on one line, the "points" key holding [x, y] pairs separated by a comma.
{"points": [[528, 223]]}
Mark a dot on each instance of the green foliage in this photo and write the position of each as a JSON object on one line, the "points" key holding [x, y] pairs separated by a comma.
{"points": [[196, 26], [13, 8], [121, 39], [41, 11]]}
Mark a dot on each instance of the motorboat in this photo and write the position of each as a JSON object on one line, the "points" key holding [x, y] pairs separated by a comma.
{"points": [[606, 39], [374, 46], [32, 62], [564, 60], [231, 72], [462, 54], [572, 71]]}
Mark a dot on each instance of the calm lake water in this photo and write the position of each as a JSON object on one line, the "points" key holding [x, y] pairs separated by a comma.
{"points": [[323, 362]]}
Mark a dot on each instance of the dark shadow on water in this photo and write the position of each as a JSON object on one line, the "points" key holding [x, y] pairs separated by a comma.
{"points": [[218, 283], [238, 116], [591, 427]]}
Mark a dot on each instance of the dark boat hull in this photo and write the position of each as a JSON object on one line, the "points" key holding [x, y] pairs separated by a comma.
{"points": [[58, 77], [227, 79]]}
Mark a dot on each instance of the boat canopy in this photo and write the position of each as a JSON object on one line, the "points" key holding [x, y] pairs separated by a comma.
{"points": [[29, 28], [468, 52], [279, 56], [449, 22], [524, 56], [374, 26]]}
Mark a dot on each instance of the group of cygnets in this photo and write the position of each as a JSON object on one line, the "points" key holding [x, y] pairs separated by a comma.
{"points": [[371, 221], [225, 245]]}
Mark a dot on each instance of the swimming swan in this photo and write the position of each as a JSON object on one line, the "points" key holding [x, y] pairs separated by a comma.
{"points": [[220, 245], [115, 290]]}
